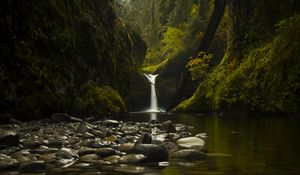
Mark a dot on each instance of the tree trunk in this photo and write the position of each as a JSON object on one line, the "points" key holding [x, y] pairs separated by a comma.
{"points": [[213, 25]]}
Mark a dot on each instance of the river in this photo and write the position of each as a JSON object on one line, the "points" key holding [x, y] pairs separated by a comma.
{"points": [[238, 145]]}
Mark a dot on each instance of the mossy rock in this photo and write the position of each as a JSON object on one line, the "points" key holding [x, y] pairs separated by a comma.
{"points": [[99, 101]]}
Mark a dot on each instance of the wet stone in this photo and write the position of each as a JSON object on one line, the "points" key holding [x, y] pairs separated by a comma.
{"points": [[154, 153], [66, 153], [7, 162], [189, 154], [133, 159], [33, 166], [191, 142], [110, 123], [105, 152], [8, 139]]}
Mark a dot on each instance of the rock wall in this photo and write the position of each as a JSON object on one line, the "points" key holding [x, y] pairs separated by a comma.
{"points": [[50, 49], [260, 69]]}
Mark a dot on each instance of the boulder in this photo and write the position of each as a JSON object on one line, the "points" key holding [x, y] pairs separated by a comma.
{"points": [[133, 159], [7, 163], [112, 123], [191, 143], [105, 152], [168, 126], [66, 153], [189, 154], [126, 147], [154, 153], [8, 139]]}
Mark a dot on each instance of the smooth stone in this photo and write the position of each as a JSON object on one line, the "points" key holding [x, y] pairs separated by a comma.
{"points": [[98, 133], [154, 153], [54, 144], [110, 123], [49, 158], [203, 136], [111, 138], [181, 128], [90, 158], [126, 147], [133, 159], [7, 162], [144, 139], [10, 150], [33, 166], [43, 150], [191, 143], [169, 145], [84, 127], [8, 139], [189, 154], [173, 136], [105, 152], [21, 157], [168, 126], [85, 151], [66, 153], [88, 135], [112, 159], [87, 142]]}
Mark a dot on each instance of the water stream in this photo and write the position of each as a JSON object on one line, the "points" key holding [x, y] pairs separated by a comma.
{"points": [[153, 110]]}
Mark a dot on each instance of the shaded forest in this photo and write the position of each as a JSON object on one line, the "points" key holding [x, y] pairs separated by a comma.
{"points": [[88, 57]]}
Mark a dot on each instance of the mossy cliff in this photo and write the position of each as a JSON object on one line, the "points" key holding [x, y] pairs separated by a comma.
{"points": [[53, 51], [260, 69]]}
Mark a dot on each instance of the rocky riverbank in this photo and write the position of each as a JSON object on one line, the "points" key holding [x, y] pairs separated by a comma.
{"points": [[68, 144]]}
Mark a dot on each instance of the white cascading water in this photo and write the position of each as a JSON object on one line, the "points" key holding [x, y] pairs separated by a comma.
{"points": [[153, 102]]}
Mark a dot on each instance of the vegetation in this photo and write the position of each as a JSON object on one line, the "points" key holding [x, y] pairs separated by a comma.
{"points": [[49, 49], [266, 80]]}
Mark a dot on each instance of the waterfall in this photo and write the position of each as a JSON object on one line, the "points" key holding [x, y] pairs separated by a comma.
{"points": [[153, 102]]}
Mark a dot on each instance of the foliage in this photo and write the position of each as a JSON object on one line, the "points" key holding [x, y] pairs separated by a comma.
{"points": [[199, 66], [99, 101], [267, 79]]}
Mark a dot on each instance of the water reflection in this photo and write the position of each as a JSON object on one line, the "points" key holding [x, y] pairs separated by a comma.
{"points": [[153, 116], [240, 145]]}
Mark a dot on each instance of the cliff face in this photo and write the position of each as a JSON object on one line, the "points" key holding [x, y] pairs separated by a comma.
{"points": [[53, 50], [260, 69]]}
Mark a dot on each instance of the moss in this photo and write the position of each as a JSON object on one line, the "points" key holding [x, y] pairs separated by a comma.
{"points": [[266, 80], [50, 48], [99, 101]]}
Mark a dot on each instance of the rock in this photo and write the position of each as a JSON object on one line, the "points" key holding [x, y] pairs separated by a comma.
{"points": [[10, 150], [133, 159], [126, 147], [74, 119], [49, 158], [173, 136], [8, 139], [112, 123], [31, 143], [144, 139], [84, 127], [98, 133], [7, 163], [189, 154], [33, 166], [111, 138], [203, 136], [88, 135], [105, 152], [154, 153], [85, 151], [54, 144], [21, 157], [191, 142], [90, 158], [168, 126], [66, 153], [169, 145], [112, 159]]}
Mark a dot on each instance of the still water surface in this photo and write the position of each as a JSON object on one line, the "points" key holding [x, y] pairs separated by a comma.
{"points": [[239, 145]]}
